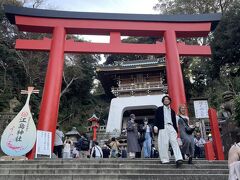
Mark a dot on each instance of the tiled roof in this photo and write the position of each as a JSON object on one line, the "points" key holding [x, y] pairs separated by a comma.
{"points": [[144, 62], [73, 131]]}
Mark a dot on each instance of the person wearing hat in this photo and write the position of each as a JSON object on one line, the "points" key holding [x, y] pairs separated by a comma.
{"points": [[132, 137], [166, 126], [58, 142]]}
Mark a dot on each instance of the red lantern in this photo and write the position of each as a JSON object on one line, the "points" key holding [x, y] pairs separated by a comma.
{"points": [[95, 125]]}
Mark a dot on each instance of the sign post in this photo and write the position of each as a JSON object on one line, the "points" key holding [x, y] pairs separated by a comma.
{"points": [[201, 113], [44, 143]]}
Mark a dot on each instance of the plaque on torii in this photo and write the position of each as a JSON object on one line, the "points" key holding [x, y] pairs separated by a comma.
{"points": [[61, 23]]}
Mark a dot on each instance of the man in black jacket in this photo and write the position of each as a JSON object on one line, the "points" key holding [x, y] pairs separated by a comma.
{"points": [[166, 126]]}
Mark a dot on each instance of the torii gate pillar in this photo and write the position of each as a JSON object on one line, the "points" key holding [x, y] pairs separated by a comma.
{"points": [[53, 82], [174, 71]]}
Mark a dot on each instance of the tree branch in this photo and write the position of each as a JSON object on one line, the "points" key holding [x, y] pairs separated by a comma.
{"points": [[68, 85]]}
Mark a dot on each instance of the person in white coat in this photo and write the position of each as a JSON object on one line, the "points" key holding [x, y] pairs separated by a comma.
{"points": [[58, 142], [166, 126], [234, 162], [67, 148]]}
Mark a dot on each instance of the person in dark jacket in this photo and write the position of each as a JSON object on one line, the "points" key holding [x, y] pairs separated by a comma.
{"points": [[166, 126], [123, 152], [83, 146], [106, 151]]}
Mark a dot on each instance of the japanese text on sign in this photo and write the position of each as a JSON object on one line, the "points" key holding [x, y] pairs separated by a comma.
{"points": [[201, 109]]}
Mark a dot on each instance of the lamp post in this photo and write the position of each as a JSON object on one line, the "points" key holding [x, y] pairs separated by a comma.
{"points": [[95, 125]]}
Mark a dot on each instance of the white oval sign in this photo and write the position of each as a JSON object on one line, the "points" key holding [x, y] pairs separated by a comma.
{"points": [[19, 136]]}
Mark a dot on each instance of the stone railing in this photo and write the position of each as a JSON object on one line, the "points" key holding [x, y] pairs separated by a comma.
{"points": [[143, 87]]}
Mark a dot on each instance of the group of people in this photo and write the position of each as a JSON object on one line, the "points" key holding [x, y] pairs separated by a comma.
{"points": [[112, 150], [139, 137], [166, 124], [86, 149]]}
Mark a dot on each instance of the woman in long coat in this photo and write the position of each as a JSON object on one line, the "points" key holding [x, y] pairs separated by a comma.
{"points": [[187, 138], [132, 137]]}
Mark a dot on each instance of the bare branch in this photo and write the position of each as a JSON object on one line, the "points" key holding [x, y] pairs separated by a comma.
{"points": [[64, 78], [37, 3], [21, 60], [221, 6], [68, 85]]}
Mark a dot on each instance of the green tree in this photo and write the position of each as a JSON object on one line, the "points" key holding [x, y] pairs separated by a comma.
{"points": [[199, 73], [11, 76], [226, 44], [192, 6], [133, 40], [19, 69], [77, 103]]}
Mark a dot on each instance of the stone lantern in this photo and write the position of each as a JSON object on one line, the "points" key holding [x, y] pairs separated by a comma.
{"points": [[73, 134]]}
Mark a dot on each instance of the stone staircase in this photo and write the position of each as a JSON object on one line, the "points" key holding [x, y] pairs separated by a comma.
{"points": [[92, 169]]}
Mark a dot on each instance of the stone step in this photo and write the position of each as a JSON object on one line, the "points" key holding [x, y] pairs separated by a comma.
{"points": [[111, 171], [125, 161], [116, 177], [114, 165]]}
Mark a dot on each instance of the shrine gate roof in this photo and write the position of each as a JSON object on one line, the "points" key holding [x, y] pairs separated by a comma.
{"points": [[12, 11], [132, 66]]}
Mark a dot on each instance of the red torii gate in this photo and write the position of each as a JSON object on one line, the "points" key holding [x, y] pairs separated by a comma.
{"points": [[60, 23]]}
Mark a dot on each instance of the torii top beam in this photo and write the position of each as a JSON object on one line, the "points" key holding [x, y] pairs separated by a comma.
{"points": [[115, 25], [13, 11]]}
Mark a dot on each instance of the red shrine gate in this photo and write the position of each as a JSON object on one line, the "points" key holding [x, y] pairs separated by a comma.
{"points": [[61, 23]]}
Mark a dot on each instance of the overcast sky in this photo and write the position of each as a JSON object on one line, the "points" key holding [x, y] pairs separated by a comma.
{"points": [[108, 6], [112, 6]]}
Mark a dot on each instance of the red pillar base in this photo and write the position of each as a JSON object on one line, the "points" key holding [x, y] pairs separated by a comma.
{"points": [[217, 141], [209, 152]]}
